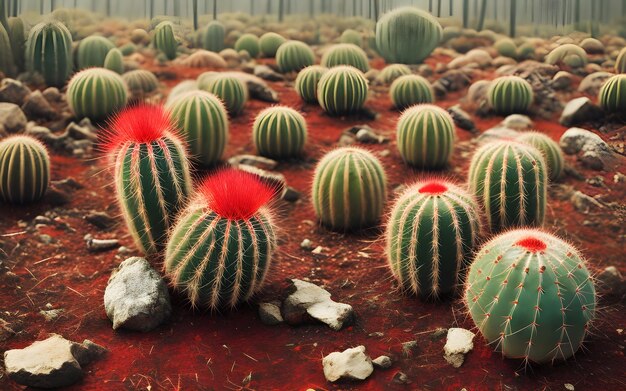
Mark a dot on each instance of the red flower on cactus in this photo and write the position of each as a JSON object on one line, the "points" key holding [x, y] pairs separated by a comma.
{"points": [[532, 244], [433, 188]]}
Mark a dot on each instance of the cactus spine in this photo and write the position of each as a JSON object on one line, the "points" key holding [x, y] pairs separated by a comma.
{"points": [[342, 90], [114, 61], [24, 170], [49, 52], [510, 95], [269, 43], [612, 96], [165, 40], [306, 82], [279, 132], [293, 56], [550, 150], [213, 38], [232, 91], [92, 51], [531, 296], [431, 233], [96, 93], [345, 54], [249, 43], [410, 90], [141, 84]]}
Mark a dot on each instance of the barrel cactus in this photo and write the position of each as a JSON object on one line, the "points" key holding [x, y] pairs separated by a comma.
{"points": [[92, 51], [49, 52], [24, 169], [269, 43], [351, 36], [213, 37], [306, 82], [569, 54], [342, 90], [407, 35], [506, 47], [410, 90], [346, 54], [151, 172], [612, 96], [550, 150], [249, 43], [165, 40], [220, 249], [232, 91], [142, 84], [431, 233], [96, 93], [203, 121], [620, 62], [17, 36], [279, 132], [7, 65], [293, 56], [349, 189], [392, 72], [425, 136], [510, 95], [531, 296], [510, 179], [114, 61]]}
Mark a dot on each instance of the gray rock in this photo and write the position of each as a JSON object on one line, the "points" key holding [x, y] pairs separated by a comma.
{"points": [[383, 362], [462, 119], [95, 245], [453, 80], [459, 342], [611, 282], [518, 122], [351, 364], [367, 136], [592, 83], [136, 297], [78, 132], [497, 133], [13, 91], [270, 313], [306, 244], [267, 73], [52, 94], [253, 160], [477, 92], [401, 378], [562, 81], [36, 106], [290, 194], [578, 111], [594, 152], [100, 219], [12, 118], [584, 203]]}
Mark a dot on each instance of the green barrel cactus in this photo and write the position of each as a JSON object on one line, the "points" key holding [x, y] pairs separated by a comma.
{"points": [[293, 56], [142, 84], [165, 40], [17, 36], [249, 43], [407, 35], [550, 150], [431, 233], [232, 91], [152, 179], [49, 52], [349, 189], [342, 90], [114, 61], [96, 93], [506, 47], [569, 54], [306, 82], [213, 37], [510, 95], [410, 90], [425, 135], [612, 96], [203, 121], [531, 296], [620, 62], [279, 132], [92, 51], [352, 37], [269, 43], [7, 64], [510, 179], [345, 54], [393, 71], [24, 170], [221, 247]]}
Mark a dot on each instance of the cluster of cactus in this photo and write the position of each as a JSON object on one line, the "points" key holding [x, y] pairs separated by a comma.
{"points": [[49, 52], [620, 62], [569, 54], [203, 121], [141, 84], [550, 150], [165, 40], [293, 56], [213, 37], [92, 51], [431, 234], [221, 247], [531, 296], [410, 90], [425, 136], [349, 189], [510, 95], [510, 179], [306, 82], [232, 91], [24, 170], [346, 54], [96, 93], [612, 96], [114, 61], [249, 43], [279, 132], [392, 72], [342, 90], [269, 44]]}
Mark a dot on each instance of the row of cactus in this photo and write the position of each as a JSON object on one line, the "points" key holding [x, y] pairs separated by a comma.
{"points": [[24, 170], [92, 51], [279, 132], [510, 95], [96, 93], [345, 54], [269, 44], [232, 91], [393, 71], [49, 52], [293, 56], [307, 81], [249, 43], [342, 90], [410, 90]]}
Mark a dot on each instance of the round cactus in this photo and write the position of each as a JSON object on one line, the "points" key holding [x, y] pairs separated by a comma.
{"points": [[531, 296], [269, 43], [293, 56], [410, 90], [49, 52], [92, 51], [141, 83], [425, 136], [569, 54], [349, 189], [346, 54], [7, 65], [232, 91], [351, 36], [407, 35], [221, 247], [342, 90], [96, 93], [114, 61], [612, 96], [165, 40], [279, 132], [306, 82], [16, 32], [24, 170], [392, 72], [620, 62], [203, 121], [506, 47], [510, 95], [431, 234], [510, 179], [213, 37], [249, 43], [550, 150]]}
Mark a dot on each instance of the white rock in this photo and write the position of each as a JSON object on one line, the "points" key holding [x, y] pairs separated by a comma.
{"points": [[270, 313], [578, 111], [596, 153], [351, 364], [12, 118], [383, 362], [518, 122], [458, 343], [497, 133]]}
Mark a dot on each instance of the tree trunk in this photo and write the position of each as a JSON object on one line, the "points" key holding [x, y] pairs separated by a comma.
{"points": [[513, 18], [439, 8], [376, 10], [465, 13], [214, 9], [281, 10], [483, 13], [451, 8], [195, 15]]}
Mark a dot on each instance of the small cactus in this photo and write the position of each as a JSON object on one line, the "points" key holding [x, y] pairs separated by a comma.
{"points": [[569, 54], [249, 43], [221, 247], [342, 90], [410, 90], [96, 93], [506, 47], [345, 54], [151, 172], [92, 51], [510, 179], [293, 56], [7, 65], [279, 132], [269, 44], [510, 95], [431, 234], [550, 150], [425, 136], [213, 37], [531, 296], [232, 91], [392, 72], [306, 82], [620, 62], [24, 170], [352, 37], [49, 52], [612, 96], [142, 84], [349, 189], [114, 61], [165, 39]]}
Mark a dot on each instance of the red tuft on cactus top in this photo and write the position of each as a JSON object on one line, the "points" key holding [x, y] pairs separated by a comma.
{"points": [[235, 194], [433, 188], [532, 244]]}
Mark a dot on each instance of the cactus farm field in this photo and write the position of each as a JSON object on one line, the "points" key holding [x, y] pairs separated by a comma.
{"points": [[313, 195]]}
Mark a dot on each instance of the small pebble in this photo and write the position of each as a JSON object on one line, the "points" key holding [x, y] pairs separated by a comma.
{"points": [[306, 244]]}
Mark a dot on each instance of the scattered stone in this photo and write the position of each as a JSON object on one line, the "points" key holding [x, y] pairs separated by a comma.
{"points": [[569, 387], [12, 118], [578, 111], [459, 342], [591, 84], [453, 80], [36, 106], [363, 134], [79, 132], [136, 297], [50, 315], [317, 250], [351, 364], [94, 244], [257, 88], [438, 333], [477, 92], [270, 313], [57, 197], [583, 203], [383, 362], [596, 153], [346, 139], [45, 239], [408, 348], [497, 133], [619, 178], [462, 119], [611, 282], [562, 81], [13, 91], [401, 378], [290, 194], [518, 122], [267, 73], [306, 244], [100, 219], [253, 160], [52, 94]]}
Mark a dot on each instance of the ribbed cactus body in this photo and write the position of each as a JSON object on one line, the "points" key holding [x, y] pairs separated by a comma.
{"points": [[7, 65], [569, 54], [345, 54], [531, 296], [203, 121], [620, 62], [92, 51], [510, 179], [96, 93], [232, 91], [306, 82], [425, 136], [510, 95], [392, 72], [410, 90], [431, 233], [550, 150], [351, 36], [612, 96], [279, 132], [407, 35], [49, 52], [342, 90], [24, 170], [293, 56], [269, 43], [349, 189], [249, 43], [213, 37], [141, 84], [17, 36], [114, 61], [165, 40]]}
